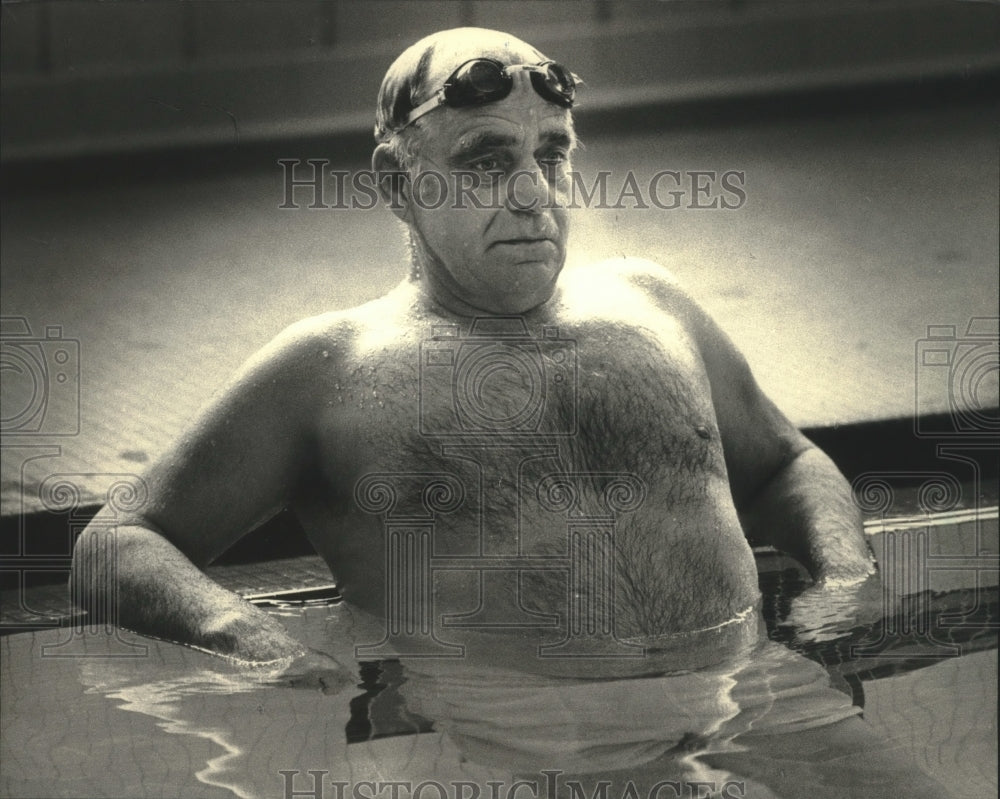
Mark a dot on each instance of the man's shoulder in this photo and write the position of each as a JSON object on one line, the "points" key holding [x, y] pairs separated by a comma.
{"points": [[340, 328], [323, 333], [645, 293], [651, 280], [336, 338]]}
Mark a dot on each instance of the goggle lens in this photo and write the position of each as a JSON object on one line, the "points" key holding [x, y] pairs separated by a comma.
{"points": [[485, 77], [561, 79], [559, 85], [483, 80], [477, 82]]}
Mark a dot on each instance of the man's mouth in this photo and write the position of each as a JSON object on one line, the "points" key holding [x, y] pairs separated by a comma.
{"points": [[525, 241]]}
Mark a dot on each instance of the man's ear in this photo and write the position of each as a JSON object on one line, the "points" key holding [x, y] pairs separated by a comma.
{"points": [[393, 181]]}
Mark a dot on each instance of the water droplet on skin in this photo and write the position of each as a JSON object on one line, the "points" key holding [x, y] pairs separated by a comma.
{"points": [[337, 386], [381, 404], [326, 354]]}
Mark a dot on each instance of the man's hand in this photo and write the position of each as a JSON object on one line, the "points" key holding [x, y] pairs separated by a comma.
{"points": [[245, 633], [251, 636], [847, 593], [806, 510], [831, 608], [314, 670]]}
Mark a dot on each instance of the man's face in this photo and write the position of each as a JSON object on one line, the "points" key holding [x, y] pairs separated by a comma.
{"points": [[503, 257]]}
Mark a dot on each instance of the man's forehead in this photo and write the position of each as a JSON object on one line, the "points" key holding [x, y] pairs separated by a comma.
{"points": [[512, 122], [510, 128]]}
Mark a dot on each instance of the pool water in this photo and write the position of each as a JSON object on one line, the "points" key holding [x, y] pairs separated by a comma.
{"points": [[99, 713]]}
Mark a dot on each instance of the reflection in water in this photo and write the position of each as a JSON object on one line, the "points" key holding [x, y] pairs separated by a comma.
{"points": [[639, 730], [240, 729], [165, 700], [765, 716]]}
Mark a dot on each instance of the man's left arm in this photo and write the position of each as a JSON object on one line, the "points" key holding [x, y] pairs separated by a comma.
{"points": [[804, 508], [788, 493]]}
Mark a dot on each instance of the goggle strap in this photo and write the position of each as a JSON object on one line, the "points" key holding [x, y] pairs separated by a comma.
{"points": [[423, 108]]}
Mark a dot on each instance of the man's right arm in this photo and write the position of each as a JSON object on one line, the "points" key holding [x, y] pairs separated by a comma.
{"points": [[159, 591], [237, 465]]}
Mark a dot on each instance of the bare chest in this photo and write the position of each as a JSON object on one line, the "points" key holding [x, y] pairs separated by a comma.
{"points": [[516, 444], [508, 397]]}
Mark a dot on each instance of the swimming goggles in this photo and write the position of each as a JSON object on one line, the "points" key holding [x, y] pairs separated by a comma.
{"points": [[483, 80]]}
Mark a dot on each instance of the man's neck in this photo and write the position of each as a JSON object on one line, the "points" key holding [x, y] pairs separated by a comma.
{"points": [[440, 300]]}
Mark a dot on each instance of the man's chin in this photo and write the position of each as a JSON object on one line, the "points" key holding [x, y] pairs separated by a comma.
{"points": [[534, 286]]}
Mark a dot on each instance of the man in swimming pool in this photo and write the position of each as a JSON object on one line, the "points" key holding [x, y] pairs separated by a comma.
{"points": [[587, 449], [603, 372]]}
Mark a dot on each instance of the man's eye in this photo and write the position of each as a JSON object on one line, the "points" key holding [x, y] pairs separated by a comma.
{"points": [[486, 165]]}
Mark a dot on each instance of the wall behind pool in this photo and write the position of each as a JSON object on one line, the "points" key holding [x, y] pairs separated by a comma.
{"points": [[89, 78]]}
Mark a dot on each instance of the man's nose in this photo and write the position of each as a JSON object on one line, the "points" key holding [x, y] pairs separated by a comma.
{"points": [[529, 191]]}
